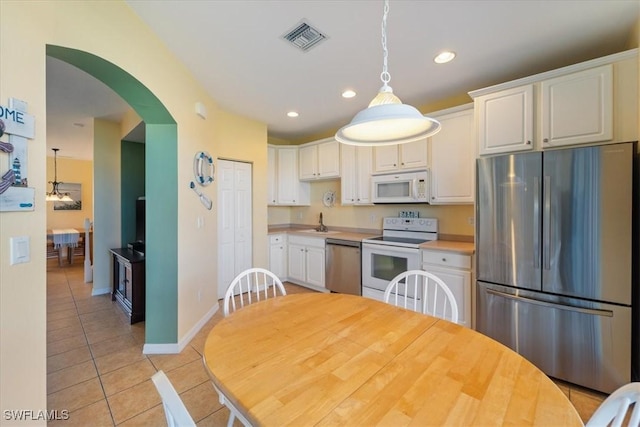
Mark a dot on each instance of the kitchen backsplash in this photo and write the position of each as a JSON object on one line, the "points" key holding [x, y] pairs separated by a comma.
{"points": [[452, 219]]}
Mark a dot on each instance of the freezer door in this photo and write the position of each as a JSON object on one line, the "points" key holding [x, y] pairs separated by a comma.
{"points": [[583, 342], [508, 219], [587, 222]]}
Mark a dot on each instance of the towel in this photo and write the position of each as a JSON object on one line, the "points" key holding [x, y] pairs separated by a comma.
{"points": [[66, 237]]}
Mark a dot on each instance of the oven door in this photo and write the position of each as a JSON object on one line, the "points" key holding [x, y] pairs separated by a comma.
{"points": [[381, 263]]}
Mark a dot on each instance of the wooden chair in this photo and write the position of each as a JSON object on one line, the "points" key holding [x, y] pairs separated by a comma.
{"points": [[175, 411], [77, 251], [614, 410], [423, 292], [251, 285], [52, 252]]}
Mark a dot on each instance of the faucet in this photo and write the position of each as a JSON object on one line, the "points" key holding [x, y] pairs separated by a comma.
{"points": [[321, 228]]}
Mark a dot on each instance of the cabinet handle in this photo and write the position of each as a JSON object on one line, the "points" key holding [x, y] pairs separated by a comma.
{"points": [[528, 142], [546, 140], [433, 198], [402, 163], [444, 260], [394, 164]]}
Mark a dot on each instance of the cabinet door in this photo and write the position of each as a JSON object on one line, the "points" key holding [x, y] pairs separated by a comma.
{"points": [[287, 176], [459, 281], [505, 120], [578, 108], [272, 177], [296, 260], [452, 155], [385, 158], [349, 171], [363, 174], [413, 155], [308, 162], [329, 159], [315, 266], [277, 260]]}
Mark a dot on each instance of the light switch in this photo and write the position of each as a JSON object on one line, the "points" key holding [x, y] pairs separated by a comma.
{"points": [[20, 250]]}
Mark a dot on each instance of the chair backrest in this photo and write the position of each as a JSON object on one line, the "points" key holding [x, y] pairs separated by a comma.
{"points": [[613, 411], [423, 292], [251, 285], [174, 409]]}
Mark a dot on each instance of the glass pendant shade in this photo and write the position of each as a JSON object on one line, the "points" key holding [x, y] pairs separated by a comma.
{"points": [[387, 121]]}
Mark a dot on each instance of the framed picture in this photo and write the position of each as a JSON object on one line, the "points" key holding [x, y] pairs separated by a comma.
{"points": [[75, 192]]}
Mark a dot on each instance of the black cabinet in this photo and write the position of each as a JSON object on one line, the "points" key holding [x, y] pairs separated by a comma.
{"points": [[129, 282]]}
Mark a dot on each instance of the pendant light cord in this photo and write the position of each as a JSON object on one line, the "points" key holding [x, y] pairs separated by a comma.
{"points": [[385, 76]]}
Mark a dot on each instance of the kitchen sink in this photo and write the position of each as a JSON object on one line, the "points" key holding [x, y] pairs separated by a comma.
{"points": [[314, 231]]}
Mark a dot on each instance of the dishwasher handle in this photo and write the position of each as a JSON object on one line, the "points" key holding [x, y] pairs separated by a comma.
{"points": [[340, 242]]}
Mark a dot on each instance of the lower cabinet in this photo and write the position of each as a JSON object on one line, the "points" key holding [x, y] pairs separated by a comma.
{"points": [[278, 255], [455, 270], [128, 279], [306, 261]]}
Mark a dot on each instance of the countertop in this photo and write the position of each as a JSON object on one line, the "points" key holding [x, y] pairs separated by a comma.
{"points": [[465, 248]]}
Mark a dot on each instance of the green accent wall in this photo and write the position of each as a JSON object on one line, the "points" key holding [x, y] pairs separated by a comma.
{"points": [[161, 190], [132, 172]]}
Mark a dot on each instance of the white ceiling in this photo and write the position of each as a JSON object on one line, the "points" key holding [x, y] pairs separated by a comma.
{"points": [[235, 49]]}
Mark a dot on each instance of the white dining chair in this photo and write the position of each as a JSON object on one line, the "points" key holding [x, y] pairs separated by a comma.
{"points": [[251, 285], [175, 411], [424, 292], [614, 410]]}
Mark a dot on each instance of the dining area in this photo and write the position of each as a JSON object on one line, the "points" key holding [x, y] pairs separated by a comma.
{"points": [[338, 359], [66, 244]]}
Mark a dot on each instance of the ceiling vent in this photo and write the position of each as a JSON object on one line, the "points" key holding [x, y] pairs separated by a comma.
{"points": [[304, 36]]}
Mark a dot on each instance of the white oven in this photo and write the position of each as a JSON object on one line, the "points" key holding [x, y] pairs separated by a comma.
{"points": [[396, 251]]}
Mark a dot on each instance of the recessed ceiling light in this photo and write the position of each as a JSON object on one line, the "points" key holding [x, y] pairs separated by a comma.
{"points": [[348, 93], [444, 57], [292, 114]]}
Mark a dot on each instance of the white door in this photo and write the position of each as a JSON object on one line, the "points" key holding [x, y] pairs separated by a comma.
{"points": [[235, 234]]}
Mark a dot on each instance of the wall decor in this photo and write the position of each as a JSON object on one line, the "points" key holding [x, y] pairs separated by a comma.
{"points": [[203, 168], [75, 192]]}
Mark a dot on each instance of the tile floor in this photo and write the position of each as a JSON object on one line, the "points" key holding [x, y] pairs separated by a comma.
{"points": [[96, 369]]}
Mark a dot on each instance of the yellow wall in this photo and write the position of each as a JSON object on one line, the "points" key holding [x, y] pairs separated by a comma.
{"points": [[71, 171], [25, 30]]}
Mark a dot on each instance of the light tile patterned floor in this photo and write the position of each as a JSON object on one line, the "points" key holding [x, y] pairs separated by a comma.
{"points": [[96, 369]]}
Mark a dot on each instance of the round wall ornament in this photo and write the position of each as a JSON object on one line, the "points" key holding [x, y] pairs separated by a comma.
{"points": [[203, 168]]}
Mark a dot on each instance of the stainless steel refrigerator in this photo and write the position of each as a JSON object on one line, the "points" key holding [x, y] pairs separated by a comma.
{"points": [[557, 259]]}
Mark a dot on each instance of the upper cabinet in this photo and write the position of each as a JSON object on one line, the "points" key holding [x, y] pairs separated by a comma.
{"points": [[400, 157], [452, 157], [320, 160], [355, 180], [284, 188], [569, 106]]}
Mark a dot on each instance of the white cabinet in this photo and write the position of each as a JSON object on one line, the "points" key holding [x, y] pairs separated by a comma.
{"points": [[306, 261], [355, 181], [505, 120], [320, 160], [278, 255], [569, 106], [578, 108], [455, 270], [452, 157], [400, 157], [284, 188]]}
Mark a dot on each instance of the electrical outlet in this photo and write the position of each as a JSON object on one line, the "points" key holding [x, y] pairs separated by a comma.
{"points": [[299, 215], [372, 218], [471, 220], [199, 295]]}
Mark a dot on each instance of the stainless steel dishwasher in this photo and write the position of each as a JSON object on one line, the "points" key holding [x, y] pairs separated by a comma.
{"points": [[343, 258]]}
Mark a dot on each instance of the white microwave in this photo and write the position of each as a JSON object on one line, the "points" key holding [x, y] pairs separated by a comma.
{"points": [[409, 187]]}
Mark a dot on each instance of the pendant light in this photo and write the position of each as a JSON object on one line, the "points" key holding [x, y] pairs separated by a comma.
{"points": [[387, 121], [55, 195]]}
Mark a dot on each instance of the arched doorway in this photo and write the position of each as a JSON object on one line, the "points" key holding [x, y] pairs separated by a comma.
{"points": [[161, 190]]}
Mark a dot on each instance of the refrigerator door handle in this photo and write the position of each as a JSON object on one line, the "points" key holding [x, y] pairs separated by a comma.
{"points": [[546, 224], [592, 311], [536, 222]]}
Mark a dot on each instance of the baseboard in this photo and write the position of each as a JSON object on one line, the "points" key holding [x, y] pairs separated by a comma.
{"points": [[100, 291], [178, 347]]}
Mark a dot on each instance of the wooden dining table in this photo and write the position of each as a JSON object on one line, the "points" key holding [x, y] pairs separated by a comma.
{"points": [[321, 359]]}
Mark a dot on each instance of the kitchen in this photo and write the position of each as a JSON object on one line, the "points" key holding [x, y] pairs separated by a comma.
{"points": [[191, 243]]}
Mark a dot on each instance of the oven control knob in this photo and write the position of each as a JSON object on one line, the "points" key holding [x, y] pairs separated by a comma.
{"points": [[394, 220], [423, 222]]}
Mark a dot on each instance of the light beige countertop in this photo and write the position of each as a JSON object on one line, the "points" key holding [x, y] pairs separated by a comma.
{"points": [[333, 234], [464, 248]]}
